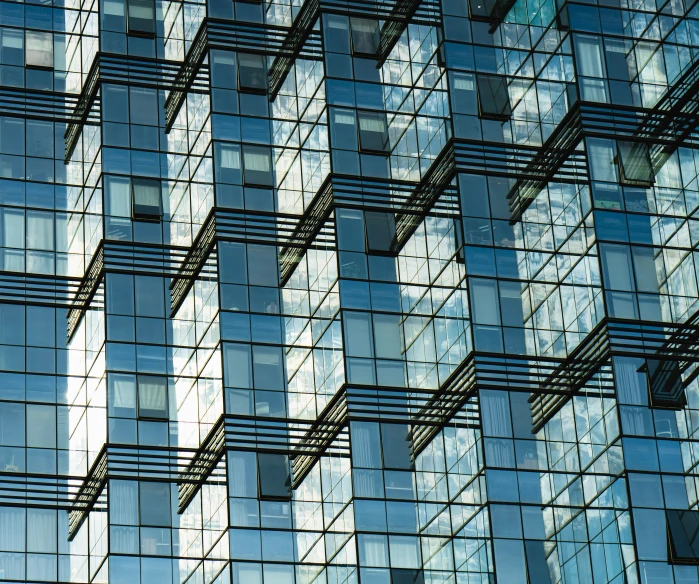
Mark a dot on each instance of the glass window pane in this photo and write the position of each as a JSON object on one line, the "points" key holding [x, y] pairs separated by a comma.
{"points": [[274, 476], [493, 97], [147, 204], [380, 231], [154, 501], [39, 49], [152, 397], [141, 17], [257, 166], [365, 36], [252, 73], [373, 132]]}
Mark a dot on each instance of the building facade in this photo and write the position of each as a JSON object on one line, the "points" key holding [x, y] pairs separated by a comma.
{"points": [[349, 291]]}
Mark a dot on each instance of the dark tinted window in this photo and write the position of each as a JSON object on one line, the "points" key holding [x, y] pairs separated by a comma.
{"points": [[155, 503], [493, 98], [396, 446], [664, 383], [380, 231], [683, 534], [257, 166], [403, 576], [252, 72], [141, 17], [373, 132], [146, 199], [274, 476], [634, 164], [365, 36]]}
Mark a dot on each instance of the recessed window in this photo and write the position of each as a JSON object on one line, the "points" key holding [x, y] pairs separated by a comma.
{"points": [[683, 536], [664, 383], [373, 132], [152, 397], [493, 98], [257, 166], [252, 73], [275, 482], [146, 195], [635, 167], [380, 231], [39, 49], [365, 36], [141, 19]]}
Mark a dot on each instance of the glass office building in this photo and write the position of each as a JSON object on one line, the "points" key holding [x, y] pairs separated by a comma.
{"points": [[349, 291]]}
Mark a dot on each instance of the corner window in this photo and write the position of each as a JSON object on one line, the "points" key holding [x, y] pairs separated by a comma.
{"points": [[683, 536], [152, 397], [39, 49], [373, 132], [493, 98], [274, 479], [141, 21], [635, 167], [146, 199], [664, 383], [380, 231], [252, 73], [257, 166], [365, 36]]}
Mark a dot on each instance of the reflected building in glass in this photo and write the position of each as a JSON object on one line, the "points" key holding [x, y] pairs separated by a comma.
{"points": [[349, 292]]}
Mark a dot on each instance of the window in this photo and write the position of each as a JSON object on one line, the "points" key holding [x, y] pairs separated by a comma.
{"points": [[405, 576], [154, 499], [493, 97], [683, 532], [343, 129], [12, 46], [141, 17], [274, 480], [635, 167], [664, 383], [146, 199], [152, 397], [39, 49], [373, 132], [365, 36], [490, 10], [257, 166], [395, 443], [481, 9], [252, 73], [380, 231]]}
